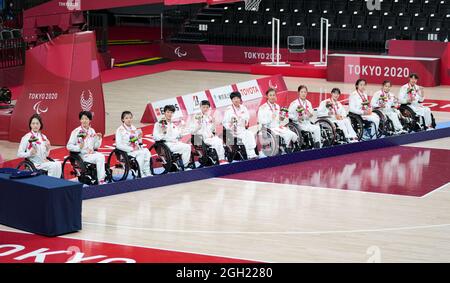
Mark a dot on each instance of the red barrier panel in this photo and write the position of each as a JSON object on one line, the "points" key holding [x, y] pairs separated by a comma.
{"points": [[434, 49], [375, 69], [62, 78], [232, 54]]}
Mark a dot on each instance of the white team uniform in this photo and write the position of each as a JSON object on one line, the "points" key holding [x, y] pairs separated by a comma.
{"points": [[269, 117], [172, 135], [239, 130], [142, 155], [205, 127], [304, 122], [337, 109], [415, 103], [386, 106], [356, 107], [87, 153], [40, 158]]}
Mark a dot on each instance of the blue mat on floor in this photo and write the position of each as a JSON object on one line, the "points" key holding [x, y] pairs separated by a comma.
{"points": [[238, 167]]}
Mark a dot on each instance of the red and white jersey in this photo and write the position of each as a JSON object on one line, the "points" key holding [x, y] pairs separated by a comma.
{"points": [[410, 92], [87, 138], [37, 141], [335, 108], [269, 116]]}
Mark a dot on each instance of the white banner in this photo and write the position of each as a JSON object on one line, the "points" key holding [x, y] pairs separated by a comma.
{"points": [[221, 96], [192, 101], [249, 90], [158, 108]]}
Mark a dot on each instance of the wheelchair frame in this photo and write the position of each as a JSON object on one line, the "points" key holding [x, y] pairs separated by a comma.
{"points": [[130, 162], [171, 162]]}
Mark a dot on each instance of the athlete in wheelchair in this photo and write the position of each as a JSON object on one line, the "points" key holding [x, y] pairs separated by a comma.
{"points": [[411, 96], [364, 121], [172, 154], [208, 147], [129, 156], [334, 116], [240, 143], [84, 162], [300, 115], [273, 135], [35, 147], [385, 106]]}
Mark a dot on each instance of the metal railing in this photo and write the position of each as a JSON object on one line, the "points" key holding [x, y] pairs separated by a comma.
{"points": [[12, 53]]}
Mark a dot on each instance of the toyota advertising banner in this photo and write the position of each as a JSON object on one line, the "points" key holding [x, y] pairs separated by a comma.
{"points": [[62, 78]]}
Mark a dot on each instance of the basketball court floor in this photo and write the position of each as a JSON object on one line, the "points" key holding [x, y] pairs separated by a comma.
{"points": [[386, 205]]}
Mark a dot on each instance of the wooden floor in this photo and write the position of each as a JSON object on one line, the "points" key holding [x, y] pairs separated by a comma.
{"points": [[265, 221]]}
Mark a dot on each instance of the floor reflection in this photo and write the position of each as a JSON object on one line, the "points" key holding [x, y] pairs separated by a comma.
{"points": [[395, 170]]}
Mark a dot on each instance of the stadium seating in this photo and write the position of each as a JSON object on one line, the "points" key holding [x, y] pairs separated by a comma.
{"points": [[349, 20]]}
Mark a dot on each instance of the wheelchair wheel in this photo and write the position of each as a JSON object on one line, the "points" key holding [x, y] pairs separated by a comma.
{"points": [[268, 143], [308, 140], [135, 168], [410, 116], [119, 164], [386, 127], [162, 160], [229, 154], [213, 157], [357, 124], [74, 169], [328, 132], [26, 165], [433, 121], [296, 129], [165, 161]]}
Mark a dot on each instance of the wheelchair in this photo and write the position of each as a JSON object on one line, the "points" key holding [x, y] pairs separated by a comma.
{"points": [[305, 139], [413, 122], [234, 149], [386, 127], [28, 165], [121, 164], [207, 156], [271, 144], [361, 126], [85, 172], [165, 159], [331, 133]]}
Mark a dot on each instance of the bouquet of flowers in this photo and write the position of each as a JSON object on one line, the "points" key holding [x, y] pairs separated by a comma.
{"points": [[396, 103], [163, 124], [198, 116], [32, 141], [300, 111], [329, 105], [234, 124], [365, 104], [284, 113], [134, 140], [82, 134], [411, 93], [383, 99]]}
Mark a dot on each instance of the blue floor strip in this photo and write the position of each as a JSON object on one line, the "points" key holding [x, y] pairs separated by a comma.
{"points": [[249, 165]]}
